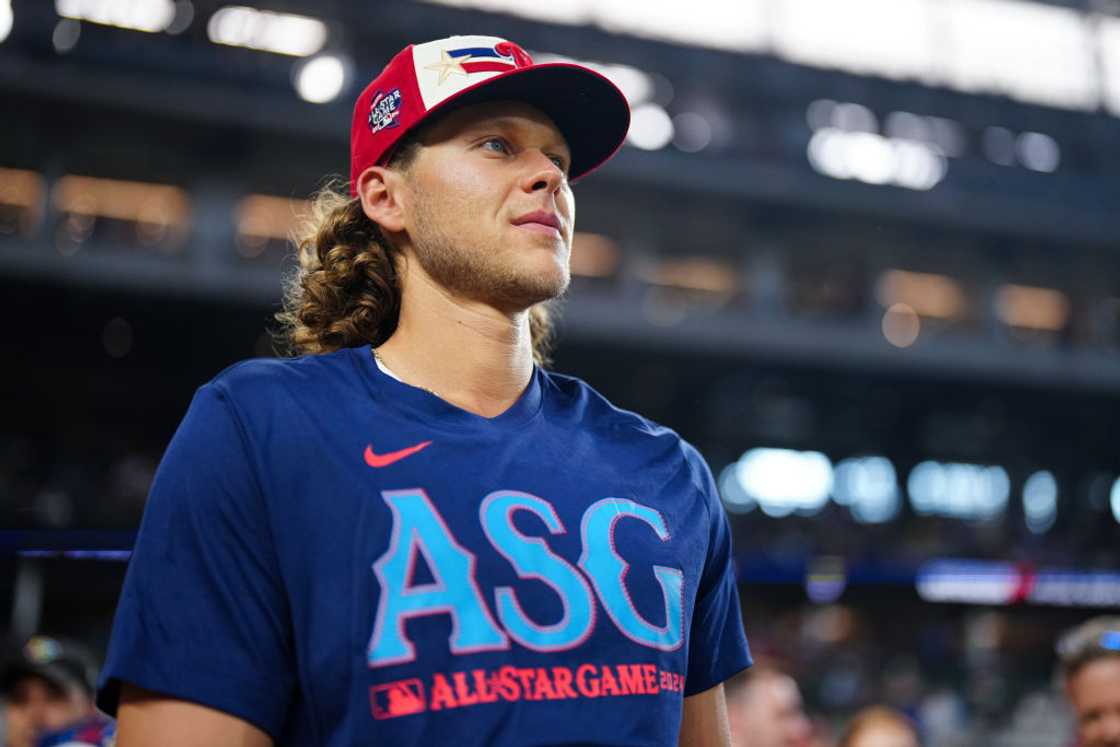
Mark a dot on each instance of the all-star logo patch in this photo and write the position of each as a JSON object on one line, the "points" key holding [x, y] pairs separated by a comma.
{"points": [[385, 110]]}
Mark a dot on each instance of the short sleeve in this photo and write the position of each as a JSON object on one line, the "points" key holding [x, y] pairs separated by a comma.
{"points": [[203, 614], [717, 647]]}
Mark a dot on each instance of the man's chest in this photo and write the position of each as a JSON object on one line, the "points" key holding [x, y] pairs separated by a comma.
{"points": [[494, 577]]}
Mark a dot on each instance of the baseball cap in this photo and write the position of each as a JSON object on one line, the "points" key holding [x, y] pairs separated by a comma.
{"points": [[440, 75], [60, 662]]}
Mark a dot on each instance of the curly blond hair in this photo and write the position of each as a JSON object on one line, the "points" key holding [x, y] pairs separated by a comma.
{"points": [[345, 291]]}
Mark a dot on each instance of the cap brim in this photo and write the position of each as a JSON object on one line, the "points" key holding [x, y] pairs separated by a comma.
{"points": [[53, 675], [587, 107]]}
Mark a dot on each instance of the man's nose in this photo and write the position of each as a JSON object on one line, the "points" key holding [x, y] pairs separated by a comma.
{"points": [[542, 173]]}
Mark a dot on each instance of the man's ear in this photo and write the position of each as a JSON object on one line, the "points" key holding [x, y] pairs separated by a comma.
{"points": [[381, 191]]}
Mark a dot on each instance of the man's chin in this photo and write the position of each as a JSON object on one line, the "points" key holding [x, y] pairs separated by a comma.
{"points": [[520, 296]]}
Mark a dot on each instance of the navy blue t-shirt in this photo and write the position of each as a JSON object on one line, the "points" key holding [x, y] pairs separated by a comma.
{"points": [[343, 559]]}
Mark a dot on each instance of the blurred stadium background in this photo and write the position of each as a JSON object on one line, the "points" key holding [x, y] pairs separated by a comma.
{"points": [[863, 254]]}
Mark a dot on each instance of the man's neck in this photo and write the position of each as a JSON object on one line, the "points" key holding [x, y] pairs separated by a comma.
{"points": [[466, 352]]}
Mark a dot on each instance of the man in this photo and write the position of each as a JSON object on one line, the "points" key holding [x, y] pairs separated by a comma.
{"points": [[880, 726], [47, 691], [764, 710], [1089, 664], [415, 535]]}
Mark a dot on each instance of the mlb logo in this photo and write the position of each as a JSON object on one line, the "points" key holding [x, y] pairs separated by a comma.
{"points": [[401, 698]]}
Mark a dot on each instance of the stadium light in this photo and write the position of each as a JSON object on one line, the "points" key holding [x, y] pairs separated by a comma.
{"points": [[7, 19], [650, 127], [929, 294], [264, 218], [1114, 500], [901, 325], [694, 274], [322, 78], [1108, 46], [160, 212], [738, 25], [136, 15], [783, 481], [1030, 51], [21, 193], [267, 31], [594, 255], [868, 486], [1040, 501], [961, 491], [1032, 308], [860, 36], [1038, 152], [692, 132], [65, 35], [557, 11], [874, 159]]}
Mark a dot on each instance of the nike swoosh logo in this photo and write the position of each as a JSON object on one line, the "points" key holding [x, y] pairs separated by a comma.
{"points": [[378, 461]]}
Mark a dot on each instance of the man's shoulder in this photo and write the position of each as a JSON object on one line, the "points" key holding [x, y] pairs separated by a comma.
{"points": [[629, 430], [267, 377], [596, 411]]}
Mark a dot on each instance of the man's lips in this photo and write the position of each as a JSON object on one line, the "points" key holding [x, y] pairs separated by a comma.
{"points": [[540, 220]]}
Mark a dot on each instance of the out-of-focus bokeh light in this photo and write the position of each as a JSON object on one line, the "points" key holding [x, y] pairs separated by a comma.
{"points": [[1038, 152], [594, 255], [267, 31], [928, 294], [264, 218], [7, 19], [1040, 501], [999, 145], [851, 117], [136, 15], [65, 35], [321, 79], [826, 579], [901, 325], [160, 213], [874, 159], [868, 486], [962, 491], [184, 16], [1108, 42], [1032, 308], [691, 132], [693, 274], [21, 201], [650, 127], [779, 481], [1114, 500]]}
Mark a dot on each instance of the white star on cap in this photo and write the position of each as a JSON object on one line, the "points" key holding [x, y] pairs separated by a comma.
{"points": [[448, 64]]}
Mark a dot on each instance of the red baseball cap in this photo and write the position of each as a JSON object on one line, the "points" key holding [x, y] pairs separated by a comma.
{"points": [[438, 76]]}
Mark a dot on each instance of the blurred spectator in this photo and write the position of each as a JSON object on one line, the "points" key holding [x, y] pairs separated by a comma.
{"points": [[879, 726], [764, 709], [1089, 660], [47, 687]]}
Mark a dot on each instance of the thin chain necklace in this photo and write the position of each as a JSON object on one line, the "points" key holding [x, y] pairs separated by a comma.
{"points": [[384, 365]]}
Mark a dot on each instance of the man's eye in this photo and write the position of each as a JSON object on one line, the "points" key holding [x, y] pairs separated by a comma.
{"points": [[559, 162], [495, 144]]}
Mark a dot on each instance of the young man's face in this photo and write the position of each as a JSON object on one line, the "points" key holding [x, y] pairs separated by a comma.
{"points": [[1094, 693], [769, 713], [35, 707], [472, 190]]}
